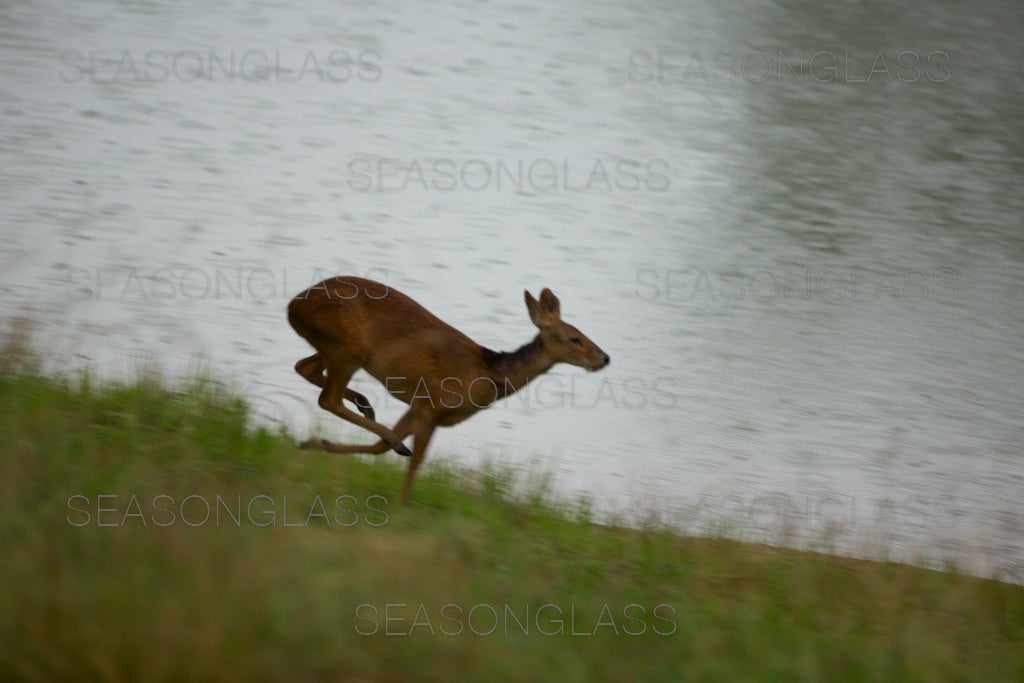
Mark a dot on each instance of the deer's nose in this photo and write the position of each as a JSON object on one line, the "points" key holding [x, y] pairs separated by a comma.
{"points": [[607, 360]]}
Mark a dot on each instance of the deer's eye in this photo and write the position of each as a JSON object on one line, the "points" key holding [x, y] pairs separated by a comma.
{"points": [[576, 340]]}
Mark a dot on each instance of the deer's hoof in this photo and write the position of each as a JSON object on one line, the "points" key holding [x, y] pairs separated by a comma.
{"points": [[402, 450], [312, 444]]}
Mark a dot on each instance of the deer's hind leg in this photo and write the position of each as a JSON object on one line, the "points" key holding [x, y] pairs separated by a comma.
{"points": [[362, 403], [313, 369], [335, 389], [401, 429]]}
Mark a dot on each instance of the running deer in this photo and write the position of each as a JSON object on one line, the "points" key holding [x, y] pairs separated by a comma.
{"points": [[441, 373]]}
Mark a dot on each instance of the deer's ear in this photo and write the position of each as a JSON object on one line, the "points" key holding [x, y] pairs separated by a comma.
{"points": [[533, 308], [543, 313], [549, 302]]}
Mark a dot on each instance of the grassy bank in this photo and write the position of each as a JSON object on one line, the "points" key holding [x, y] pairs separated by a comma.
{"points": [[150, 534]]}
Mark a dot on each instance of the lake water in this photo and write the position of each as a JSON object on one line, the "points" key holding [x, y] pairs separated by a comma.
{"points": [[796, 229]]}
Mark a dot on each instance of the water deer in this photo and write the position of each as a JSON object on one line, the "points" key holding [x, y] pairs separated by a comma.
{"points": [[442, 374]]}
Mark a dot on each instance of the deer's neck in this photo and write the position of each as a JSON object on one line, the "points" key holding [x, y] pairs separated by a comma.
{"points": [[513, 370]]}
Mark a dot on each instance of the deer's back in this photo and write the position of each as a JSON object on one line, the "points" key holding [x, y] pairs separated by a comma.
{"points": [[375, 326]]}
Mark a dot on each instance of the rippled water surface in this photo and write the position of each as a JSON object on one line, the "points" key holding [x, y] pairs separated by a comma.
{"points": [[796, 228]]}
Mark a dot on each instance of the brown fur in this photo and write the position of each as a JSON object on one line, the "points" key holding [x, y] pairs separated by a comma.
{"points": [[442, 374]]}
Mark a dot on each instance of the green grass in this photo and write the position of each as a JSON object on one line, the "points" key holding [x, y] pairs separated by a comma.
{"points": [[129, 594]]}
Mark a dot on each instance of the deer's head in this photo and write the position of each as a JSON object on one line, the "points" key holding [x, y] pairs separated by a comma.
{"points": [[565, 343]]}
